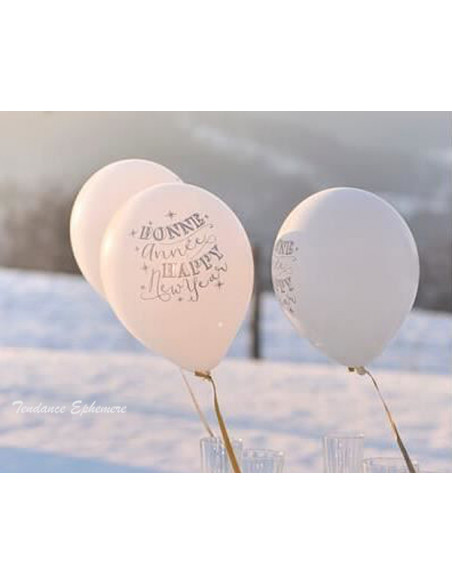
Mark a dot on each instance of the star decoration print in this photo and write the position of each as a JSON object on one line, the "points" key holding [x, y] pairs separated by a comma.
{"points": [[179, 258]]}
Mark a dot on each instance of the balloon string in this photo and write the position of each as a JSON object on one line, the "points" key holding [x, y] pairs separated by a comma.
{"points": [[224, 432], [403, 450], [201, 415]]}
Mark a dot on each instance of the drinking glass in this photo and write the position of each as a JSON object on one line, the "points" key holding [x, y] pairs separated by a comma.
{"points": [[387, 464], [214, 457], [262, 460], [343, 452]]}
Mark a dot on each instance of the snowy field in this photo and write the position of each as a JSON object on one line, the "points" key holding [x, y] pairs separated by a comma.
{"points": [[60, 343], [44, 310]]}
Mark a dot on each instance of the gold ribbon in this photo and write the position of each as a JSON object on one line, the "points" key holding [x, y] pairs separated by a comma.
{"points": [[227, 443], [201, 415], [403, 450]]}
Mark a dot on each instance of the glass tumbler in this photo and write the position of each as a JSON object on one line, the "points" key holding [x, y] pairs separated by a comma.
{"points": [[387, 464], [214, 457], [343, 452], [262, 460]]}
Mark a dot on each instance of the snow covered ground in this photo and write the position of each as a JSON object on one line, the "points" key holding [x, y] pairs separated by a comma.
{"points": [[274, 405], [60, 343], [44, 310]]}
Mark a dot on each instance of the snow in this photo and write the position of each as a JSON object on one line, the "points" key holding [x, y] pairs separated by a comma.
{"points": [[59, 311], [280, 406], [60, 343]]}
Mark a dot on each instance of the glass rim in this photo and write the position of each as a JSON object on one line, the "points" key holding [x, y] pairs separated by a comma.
{"points": [[344, 435], [393, 458], [387, 459], [217, 439], [262, 453]]}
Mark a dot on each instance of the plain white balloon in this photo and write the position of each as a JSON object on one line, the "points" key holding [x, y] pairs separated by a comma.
{"points": [[99, 199], [345, 270], [178, 271]]}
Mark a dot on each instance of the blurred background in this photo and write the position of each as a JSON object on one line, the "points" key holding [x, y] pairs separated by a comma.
{"points": [[261, 163], [60, 342]]}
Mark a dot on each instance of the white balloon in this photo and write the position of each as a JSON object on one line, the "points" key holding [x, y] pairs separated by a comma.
{"points": [[97, 202], [345, 270], [178, 271]]}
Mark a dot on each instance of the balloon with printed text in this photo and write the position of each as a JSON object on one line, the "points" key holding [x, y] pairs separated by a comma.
{"points": [[177, 268], [345, 270]]}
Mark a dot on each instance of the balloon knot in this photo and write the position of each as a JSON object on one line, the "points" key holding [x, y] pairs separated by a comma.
{"points": [[358, 370], [203, 374]]}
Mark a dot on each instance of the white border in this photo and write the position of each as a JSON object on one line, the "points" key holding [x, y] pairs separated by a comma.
{"points": [[205, 528], [227, 56], [203, 55]]}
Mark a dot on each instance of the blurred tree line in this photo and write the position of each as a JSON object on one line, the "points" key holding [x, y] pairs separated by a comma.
{"points": [[34, 234]]}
